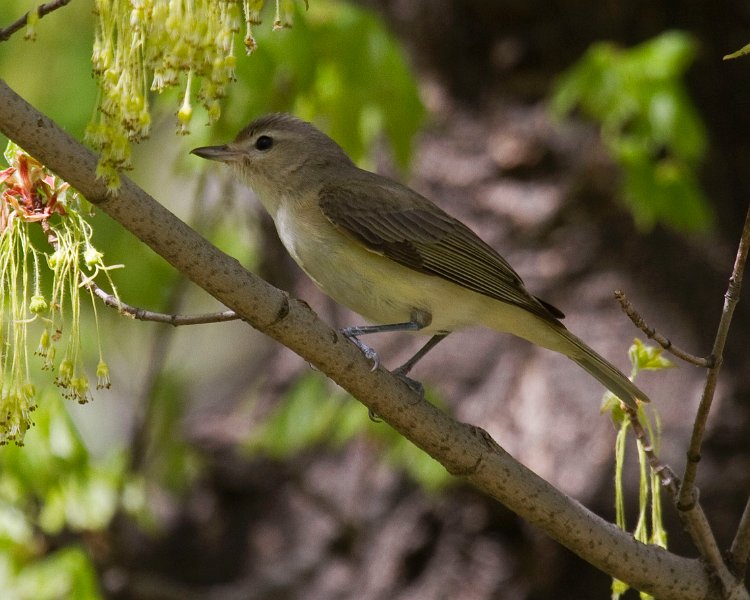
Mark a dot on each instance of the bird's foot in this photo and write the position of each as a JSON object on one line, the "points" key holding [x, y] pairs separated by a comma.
{"points": [[412, 384], [369, 353]]}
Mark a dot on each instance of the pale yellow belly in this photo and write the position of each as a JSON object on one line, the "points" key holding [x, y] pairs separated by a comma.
{"points": [[383, 291]]}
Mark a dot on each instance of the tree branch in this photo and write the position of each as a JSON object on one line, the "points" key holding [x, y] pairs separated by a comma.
{"points": [[41, 10], [651, 333], [142, 314], [664, 472], [740, 551], [464, 450], [731, 297]]}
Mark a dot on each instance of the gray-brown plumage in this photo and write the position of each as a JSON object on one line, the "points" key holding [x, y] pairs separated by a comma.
{"points": [[389, 253]]}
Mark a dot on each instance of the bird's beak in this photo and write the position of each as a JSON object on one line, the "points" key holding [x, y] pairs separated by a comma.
{"points": [[223, 153]]}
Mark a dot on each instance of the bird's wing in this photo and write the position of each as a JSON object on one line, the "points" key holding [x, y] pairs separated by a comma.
{"points": [[426, 239]]}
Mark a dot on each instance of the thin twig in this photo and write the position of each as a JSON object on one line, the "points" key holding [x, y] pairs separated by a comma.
{"points": [[665, 473], [731, 297], [176, 320], [139, 313], [147, 315], [664, 342], [691, 513], [142, 314], [41, 10]]}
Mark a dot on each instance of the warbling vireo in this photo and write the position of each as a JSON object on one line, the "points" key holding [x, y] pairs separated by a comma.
{"points": [[387, 252]]}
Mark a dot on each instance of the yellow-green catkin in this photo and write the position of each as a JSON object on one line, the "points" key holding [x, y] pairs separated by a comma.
{"points": [[649, 527], [151, 45], [31, 196]]}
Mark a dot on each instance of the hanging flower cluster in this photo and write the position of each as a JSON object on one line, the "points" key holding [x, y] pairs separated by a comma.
{"points": [[30, 196], [163, 41]]}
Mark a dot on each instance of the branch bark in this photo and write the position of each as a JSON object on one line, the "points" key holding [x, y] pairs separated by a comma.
{"points": [[176, 320], [464, 450], [740, 551], [652, 334], [731, 297]]}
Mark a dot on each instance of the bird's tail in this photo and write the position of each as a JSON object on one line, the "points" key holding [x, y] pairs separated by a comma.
{"points": [[603, 371]]}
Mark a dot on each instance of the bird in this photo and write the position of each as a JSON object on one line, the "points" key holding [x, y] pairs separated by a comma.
{"points": [[390, 254]]}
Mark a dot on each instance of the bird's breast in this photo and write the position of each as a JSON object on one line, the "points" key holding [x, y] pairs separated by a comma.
{"points": [[376, 287]]}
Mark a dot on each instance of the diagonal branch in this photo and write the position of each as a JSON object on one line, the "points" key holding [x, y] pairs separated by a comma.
{"points": [[740, 550], [731, 297], [41, 10], [462, 449]]}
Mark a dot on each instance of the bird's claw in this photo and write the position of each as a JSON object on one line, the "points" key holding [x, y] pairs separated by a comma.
{"points": [[372, 356], [412, 384], [370, 353]]}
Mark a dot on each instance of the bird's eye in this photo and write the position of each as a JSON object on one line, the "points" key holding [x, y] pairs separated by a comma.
{"points": [[264, 142]]}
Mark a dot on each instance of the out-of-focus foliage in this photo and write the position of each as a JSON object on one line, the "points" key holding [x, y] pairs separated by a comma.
{"points": [[168, 458], [51, 488], [648, 123], [311, 416], [54, 67]]}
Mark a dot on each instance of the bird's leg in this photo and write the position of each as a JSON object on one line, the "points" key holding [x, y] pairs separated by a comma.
{"points": [[404, 369], [353, 333], [419, 320]]}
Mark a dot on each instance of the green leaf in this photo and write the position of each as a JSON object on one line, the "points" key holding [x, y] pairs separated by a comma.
{"points": [[52, 484], [67, 573], [613, 405], [648, 124], [649, 358], [326, 69]]}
